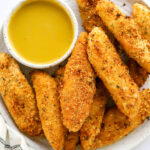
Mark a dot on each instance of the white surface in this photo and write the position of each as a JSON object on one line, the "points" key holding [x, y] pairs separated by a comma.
{"points": [[7, 137], [40, 144]]}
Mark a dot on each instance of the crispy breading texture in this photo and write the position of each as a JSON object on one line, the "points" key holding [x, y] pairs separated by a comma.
{"points": [[78, 89], [49, 108], [90, 19], [59, 74], [141, 15], [91, 126], [126, 31], [138, 73], [113, 72], [18, 96], [71, 140], [116, 125]]}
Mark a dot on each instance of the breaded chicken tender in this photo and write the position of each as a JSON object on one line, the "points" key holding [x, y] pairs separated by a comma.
{"points": [[78, 87], [138, 73], [59, 74], [91, 19], [18, 96], [71, 140], [116, 125], [88, 14], [91, 126], [126, 32], [113, 72], [49, 108], [141, 15]]}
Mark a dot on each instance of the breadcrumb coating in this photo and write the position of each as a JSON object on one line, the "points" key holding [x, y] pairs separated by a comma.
{"points": [[116, 125], [59, 74], [71, 140], [113, 72], [91, 19], [18, 96], [49, 108], [88, 14], [78, 87], [138, 73], [91, 126], [141, 15], [126, 32]]}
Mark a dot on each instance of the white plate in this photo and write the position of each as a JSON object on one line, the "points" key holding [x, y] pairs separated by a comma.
{"points": [[127, 142]]}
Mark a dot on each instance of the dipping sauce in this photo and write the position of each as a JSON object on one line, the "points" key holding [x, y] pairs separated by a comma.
{"points": [[41, 31]]}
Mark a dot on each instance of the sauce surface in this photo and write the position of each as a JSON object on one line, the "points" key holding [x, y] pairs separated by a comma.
{"points": [[41, 31]]}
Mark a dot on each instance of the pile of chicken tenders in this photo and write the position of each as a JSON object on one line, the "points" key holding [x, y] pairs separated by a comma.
{"points": [[75, 106]]}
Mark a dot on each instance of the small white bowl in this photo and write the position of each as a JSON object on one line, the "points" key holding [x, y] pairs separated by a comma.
{"points": [[29, 64]]}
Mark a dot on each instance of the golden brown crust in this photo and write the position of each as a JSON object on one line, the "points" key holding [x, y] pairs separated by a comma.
{"points": [[91, 126], [49, 108], [116, 125], [126, 31], [59, 74], [78, 89], [113, 72], [88, 14], [91, 19], [18, 96], [145, 107], [138, 73], [71, 140], [141, 15]]}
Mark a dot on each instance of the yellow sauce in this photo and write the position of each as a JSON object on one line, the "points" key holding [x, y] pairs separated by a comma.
{"points": [[41, 31]]}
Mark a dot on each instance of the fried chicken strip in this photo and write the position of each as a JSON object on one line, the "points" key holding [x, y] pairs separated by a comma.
{"points": [[18, 96], [71, 140], [141, 15], [91, 126], [78, 85], [91, 19], [138, 73], [49, 108], [126, 32], [88, 14], [59, 74], [116, 125], [113, 72]]}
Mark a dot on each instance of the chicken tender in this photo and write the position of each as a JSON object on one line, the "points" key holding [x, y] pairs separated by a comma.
{"points": [[91, 19], [126, 32], [78, 87], [113, 72], [49, 108], [116, 125], [145, 108], [71, 140], [88, 14], [138, 73], [59, 74], [141, 15], [91, 126], [18, 96]]}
